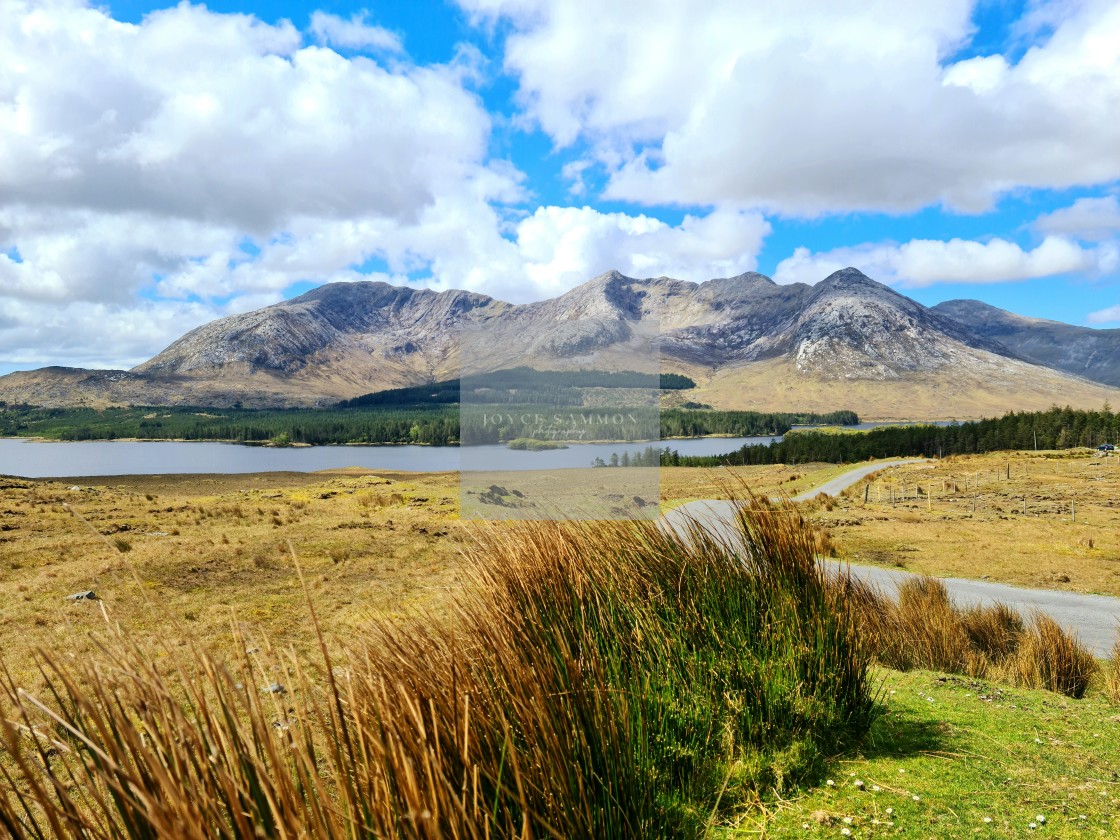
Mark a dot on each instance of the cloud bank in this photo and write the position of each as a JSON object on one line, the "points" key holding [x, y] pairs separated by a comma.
{"points": [[157, 175], [804, 108], [924, 262]]}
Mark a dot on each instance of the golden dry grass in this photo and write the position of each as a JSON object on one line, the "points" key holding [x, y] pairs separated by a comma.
{"points": [[777, 385], [201, 551], [212, 548], [980, 524], [377, 545], [924, 628], [686, 484], [599, 680]]}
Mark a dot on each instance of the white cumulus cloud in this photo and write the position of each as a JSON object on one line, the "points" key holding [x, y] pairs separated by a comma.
{"points": [[1089, 219], [354, 33], [924, 262], [563, 246], [804, 107], [1110, 315], [156, 173]]}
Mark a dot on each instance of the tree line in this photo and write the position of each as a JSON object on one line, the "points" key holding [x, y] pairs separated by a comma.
{"points": [[677, 422], [1057, 428], [436, 425], [522, 385]]}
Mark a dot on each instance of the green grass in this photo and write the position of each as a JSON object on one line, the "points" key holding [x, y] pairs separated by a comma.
{"points": [[968, 750]]}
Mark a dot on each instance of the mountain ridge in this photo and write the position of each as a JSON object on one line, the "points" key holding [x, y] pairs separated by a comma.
{"points": [[342, 340], [1082, 351]]}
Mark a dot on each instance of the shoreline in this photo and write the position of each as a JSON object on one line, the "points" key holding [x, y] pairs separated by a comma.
{"points": [[268, 445]]}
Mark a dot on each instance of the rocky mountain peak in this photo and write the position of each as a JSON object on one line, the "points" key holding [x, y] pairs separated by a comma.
{"points": [[848, 277], [853, 327], [751, 277], [345, 339], [853, 283], [612, 295]]}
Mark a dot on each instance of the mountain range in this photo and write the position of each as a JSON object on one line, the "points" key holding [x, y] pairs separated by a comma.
{"points": [[845, 342]]}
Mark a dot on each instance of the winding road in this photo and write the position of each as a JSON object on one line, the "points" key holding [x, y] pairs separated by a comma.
{"points": [[1095, 618]]}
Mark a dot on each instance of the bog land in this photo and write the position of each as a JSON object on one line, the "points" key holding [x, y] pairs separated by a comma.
{"points": [[207, 561]]}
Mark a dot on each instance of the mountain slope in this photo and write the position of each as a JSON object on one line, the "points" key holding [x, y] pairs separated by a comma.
{"points": [[1093, 354], [846, 342], [968, 394], [854, 328], [351, 329]]}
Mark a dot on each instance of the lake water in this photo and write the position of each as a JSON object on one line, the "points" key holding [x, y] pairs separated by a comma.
{"points": [[36, 459]]}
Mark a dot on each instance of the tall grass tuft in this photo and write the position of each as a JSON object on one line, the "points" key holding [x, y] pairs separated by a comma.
{"points": [[1049, 657], [929, 627], [1112, 673], [923, 628], [597, 680], [994, 632]]}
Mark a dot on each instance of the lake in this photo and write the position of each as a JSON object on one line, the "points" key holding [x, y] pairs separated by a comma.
{"points": [[38, 459]]}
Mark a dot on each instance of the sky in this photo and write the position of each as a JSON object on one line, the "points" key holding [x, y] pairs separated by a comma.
{"points": [[165, 165]]}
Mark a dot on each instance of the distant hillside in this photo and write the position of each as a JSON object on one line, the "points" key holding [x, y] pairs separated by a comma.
{"points": [[1092, 354], [748, 343], [523, 378]]}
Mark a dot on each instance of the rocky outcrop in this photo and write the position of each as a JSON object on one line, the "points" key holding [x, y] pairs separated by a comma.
{"points": [[854, 328]]}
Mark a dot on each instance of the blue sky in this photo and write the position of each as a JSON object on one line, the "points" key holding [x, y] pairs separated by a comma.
{"points": [[161, 166]]}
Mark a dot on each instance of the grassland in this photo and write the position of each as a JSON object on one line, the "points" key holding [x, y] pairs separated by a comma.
{"points": [[211, 549], [687, 484], [205, 550], [775, 383], [205, 561], [597, 680], [960, 757], [1054, 524], [208, 551]]}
